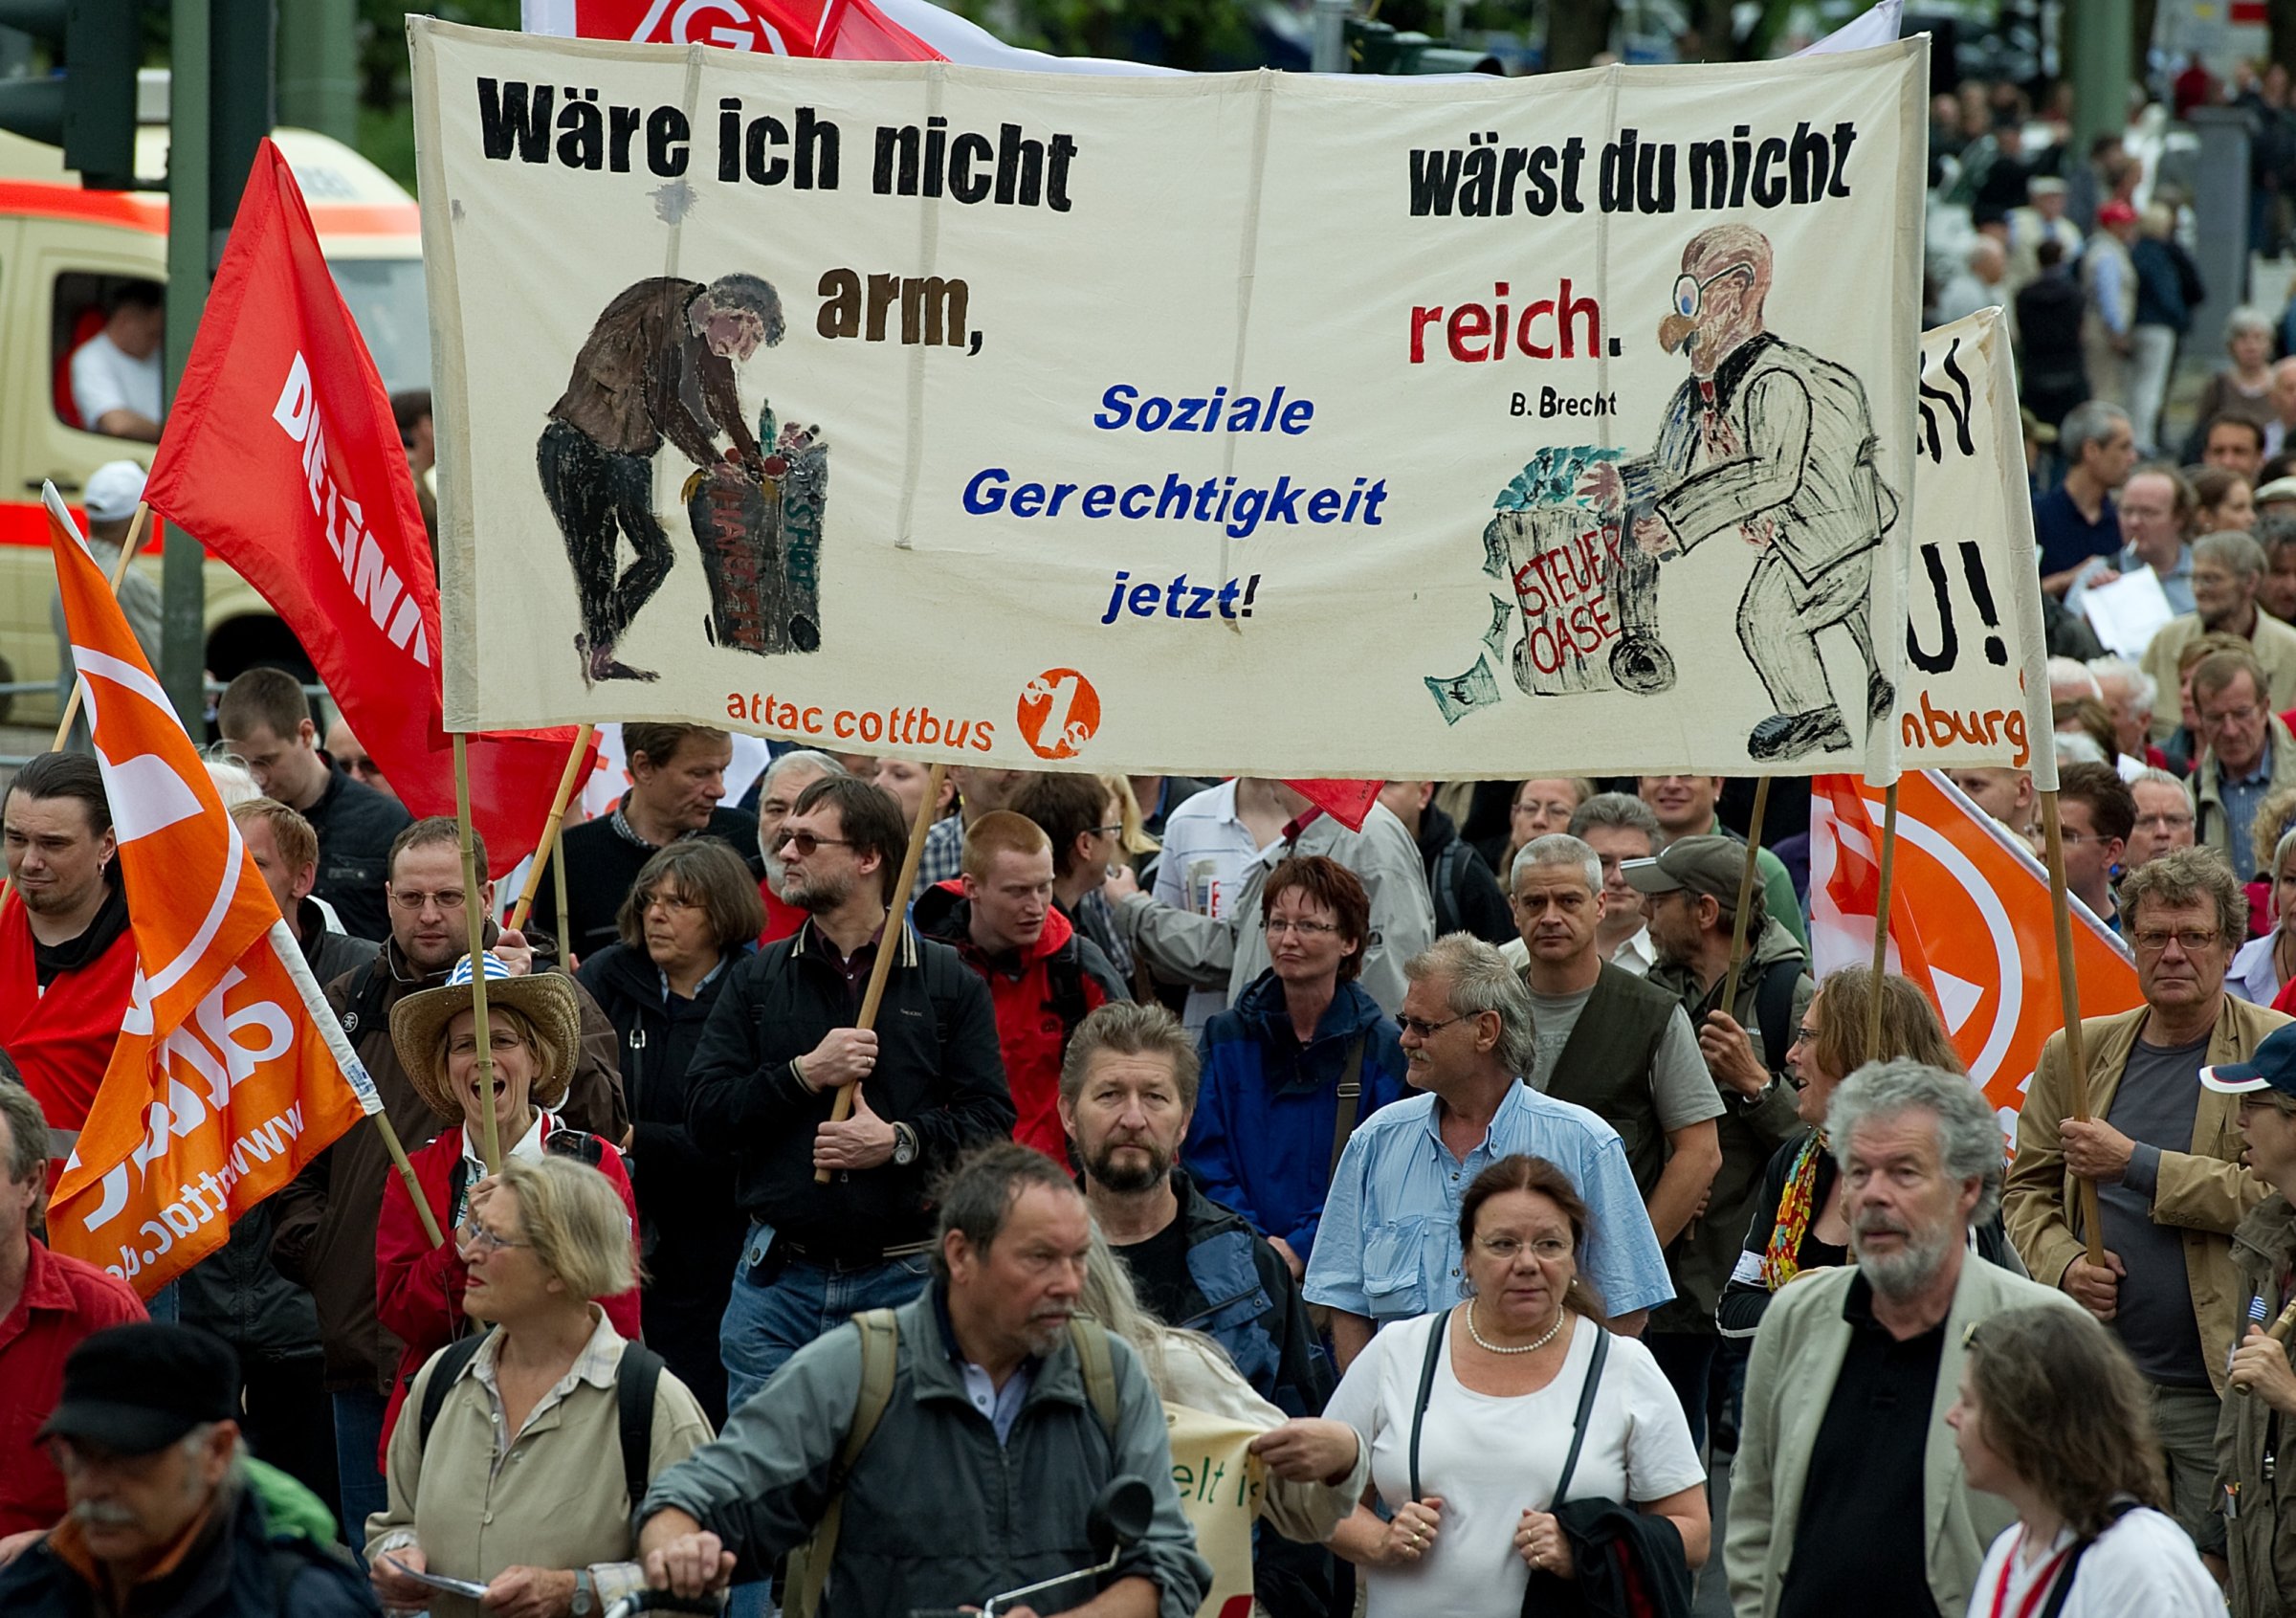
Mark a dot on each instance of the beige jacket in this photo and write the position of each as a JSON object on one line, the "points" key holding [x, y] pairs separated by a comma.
{"points": [[2204, 1192], [555, 1500], [2274, 644], [1789, 1383]]}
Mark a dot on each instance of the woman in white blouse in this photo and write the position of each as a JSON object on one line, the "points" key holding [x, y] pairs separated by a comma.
{"points": [[1470, 1415], [2054, 1418]]}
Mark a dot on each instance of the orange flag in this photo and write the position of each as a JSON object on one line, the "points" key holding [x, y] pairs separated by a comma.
{"points": [[1969, 920], [230, 1072]]}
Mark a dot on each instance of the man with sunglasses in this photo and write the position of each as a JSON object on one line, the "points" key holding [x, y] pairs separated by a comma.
{"points": [[927, 1083], [2163, 1157], [1771, 444]]}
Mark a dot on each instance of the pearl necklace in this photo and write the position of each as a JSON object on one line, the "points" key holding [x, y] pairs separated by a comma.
{"points": [[1560, 1315]]}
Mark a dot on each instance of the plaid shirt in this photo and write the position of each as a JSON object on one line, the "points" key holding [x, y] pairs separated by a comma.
{"points": [[943, 854]]}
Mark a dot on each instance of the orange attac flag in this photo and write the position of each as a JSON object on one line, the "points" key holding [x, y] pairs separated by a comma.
{"points": [[230, 1072], [1969, 921]]}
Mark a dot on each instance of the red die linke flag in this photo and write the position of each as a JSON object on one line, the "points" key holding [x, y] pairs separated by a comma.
{"points": [[281, 454], [229, 1073], [845, 29]]}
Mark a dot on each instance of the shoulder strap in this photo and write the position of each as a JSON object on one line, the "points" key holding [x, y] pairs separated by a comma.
{"points": [[1586, 1408], [880, 1357], [1351, 1102], [634, 1380], [1427, 1390], [2062, 1591], [1100, 1369], [444, 1370], [1451, 866], [1774, 1012]]}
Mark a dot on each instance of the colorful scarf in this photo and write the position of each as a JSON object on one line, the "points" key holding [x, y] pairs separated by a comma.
{"points": [[1782, 1258]]}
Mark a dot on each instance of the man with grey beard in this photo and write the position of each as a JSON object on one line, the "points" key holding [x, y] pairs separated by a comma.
{"points": [[1847, 1494]]}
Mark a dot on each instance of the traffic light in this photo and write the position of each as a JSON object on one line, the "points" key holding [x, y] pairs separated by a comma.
{"points": [[1376, 47], [88, 105]]}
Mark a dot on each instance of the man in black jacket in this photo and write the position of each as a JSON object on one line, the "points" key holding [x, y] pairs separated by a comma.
{"points": [[927, 1082]]}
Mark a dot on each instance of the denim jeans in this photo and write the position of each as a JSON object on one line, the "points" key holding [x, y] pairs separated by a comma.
{"points": [[767, 1322], [357, 1436]]}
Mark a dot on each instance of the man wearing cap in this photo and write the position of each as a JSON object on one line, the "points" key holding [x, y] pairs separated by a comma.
{"points": [[1622, 1049], [115, 489], [2109, 323], [1690, 894], [163, 1522], [48, 1304], [327, 1215], [2163, 1155], [2258, 1491]]}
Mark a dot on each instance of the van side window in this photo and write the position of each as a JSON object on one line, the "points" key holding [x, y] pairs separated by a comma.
{"points": [[104, 334]]}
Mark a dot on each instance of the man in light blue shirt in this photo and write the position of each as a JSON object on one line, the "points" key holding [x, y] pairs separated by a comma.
{"points": [[1389, 1245]]}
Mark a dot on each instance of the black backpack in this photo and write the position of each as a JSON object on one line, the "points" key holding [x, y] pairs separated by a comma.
{"points": [[634, 1380]]}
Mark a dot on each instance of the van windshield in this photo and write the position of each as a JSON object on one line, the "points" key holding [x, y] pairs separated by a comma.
{"points": [[385, 297]]}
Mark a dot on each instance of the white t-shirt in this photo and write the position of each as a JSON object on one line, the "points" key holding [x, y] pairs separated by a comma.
{"points": [[2143, 1566], [1207, 852], [1491, 1458], [104, 379]]}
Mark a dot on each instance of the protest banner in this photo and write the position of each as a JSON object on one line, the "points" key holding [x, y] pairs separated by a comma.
{"points": [[1205, 416], [1970, 921], [230, 1072], [1221, 1483], [282, 456]]}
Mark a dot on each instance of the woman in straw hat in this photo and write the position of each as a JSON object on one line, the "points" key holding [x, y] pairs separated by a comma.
{"points": [[534, 1027]]}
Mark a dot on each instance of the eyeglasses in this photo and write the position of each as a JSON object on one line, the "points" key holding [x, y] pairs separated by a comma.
{"points": [[1547, 1249], [2074, 839], [1804, 1035], [2191, 939], [415, 901], [1304, 929], [667, 902], [1689, 291], [2247, 715], [802, 843], [1424, 1028], [1115, 830], [470, 1237]]}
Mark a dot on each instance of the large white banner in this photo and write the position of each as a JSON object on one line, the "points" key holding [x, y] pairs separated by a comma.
{"points": [[1266, 423]]}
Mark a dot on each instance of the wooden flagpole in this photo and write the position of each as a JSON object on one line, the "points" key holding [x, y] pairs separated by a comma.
{"points": [[545, 847], [1747, 876], [558, 892], [475, 909], [888, 941], [127, 554], [2069, 989], [1881, 923]]}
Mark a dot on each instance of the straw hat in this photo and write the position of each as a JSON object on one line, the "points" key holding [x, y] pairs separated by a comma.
{"points": [[545, 998]]}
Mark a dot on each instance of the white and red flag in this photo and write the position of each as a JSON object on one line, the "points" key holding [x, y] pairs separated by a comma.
{"points": [[230, 1072], [282, 456], [1969, 921]]}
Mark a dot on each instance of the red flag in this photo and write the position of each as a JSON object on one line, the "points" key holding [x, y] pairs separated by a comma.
{"points": [[1969, 921], [1348, 802], [281, 454], [230, 1072], [843, 30]]}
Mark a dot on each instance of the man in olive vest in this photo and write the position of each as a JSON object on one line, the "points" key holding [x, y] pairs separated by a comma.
{"points": [[1690, 894], [1622, 1049]]}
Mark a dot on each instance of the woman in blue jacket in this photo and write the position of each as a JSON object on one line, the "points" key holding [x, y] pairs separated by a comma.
{"points": [[1302, 1057]]}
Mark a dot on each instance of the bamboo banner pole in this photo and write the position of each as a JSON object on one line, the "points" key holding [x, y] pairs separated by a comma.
{"points": [[887, 940], [558, 893], [1746, 880], [475, 910], [547, 845], [1881, 923], [2068, 991], [414, 1187], [127, 554]]}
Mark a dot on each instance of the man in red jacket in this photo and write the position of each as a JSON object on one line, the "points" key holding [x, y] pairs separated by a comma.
{"points": [[1043, 976], [67, 956]]}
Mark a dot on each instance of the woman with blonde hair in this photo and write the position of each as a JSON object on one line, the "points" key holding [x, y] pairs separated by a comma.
{"points": [[2263, 966], [1316, 1468], [2054, 1418]]}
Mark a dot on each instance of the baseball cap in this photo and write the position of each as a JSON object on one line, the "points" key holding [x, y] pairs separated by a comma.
{"points": [[1711, 867], [137, 1388], [2273, 1067], [2279, 489], [113, 490]]}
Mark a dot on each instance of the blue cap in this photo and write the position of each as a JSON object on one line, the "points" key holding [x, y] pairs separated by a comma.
{"points": [[2273, 1067]]}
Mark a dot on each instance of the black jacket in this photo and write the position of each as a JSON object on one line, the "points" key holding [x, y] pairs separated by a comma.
{"points": [[355, 825], [1466, 895], [685, 1197], [1630, 1565], [602, 863], [937, 1071]]}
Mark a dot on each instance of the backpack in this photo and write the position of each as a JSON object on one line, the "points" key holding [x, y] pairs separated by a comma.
{"points": [[880, 1356], [1443, 886], [1774, 1011], [634, 1380]]}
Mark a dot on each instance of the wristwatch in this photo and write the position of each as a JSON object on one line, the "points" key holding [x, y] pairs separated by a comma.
{"points": [[904, 1145], [586, 1594]]}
